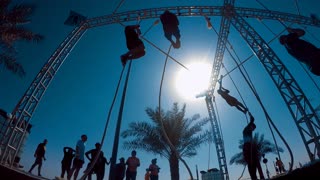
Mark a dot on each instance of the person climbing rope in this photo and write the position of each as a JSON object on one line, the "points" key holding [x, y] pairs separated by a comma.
{"points": [[170, 25], [302, 50], [134, 44], [232, 101]]}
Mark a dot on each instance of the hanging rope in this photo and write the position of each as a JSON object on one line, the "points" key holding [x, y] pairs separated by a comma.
{"points": [[249, 57], [161, 121], [105, 127], [297, 6], [269, 121], [259, 100], [270, 11], [108, 117], [164, 53]]}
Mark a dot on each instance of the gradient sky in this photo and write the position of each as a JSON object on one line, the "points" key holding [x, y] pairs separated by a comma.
{"points": [[80, 95]]}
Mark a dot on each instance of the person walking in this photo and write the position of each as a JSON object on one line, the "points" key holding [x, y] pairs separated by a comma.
{"points": [[133, 163], [78, 161], [39, 155], [69, 153]]}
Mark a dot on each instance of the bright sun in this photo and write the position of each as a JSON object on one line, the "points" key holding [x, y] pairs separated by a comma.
{"points": [[190, 83]]}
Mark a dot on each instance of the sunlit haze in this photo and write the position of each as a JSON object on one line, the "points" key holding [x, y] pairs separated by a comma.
{"points": [[190, 83]]}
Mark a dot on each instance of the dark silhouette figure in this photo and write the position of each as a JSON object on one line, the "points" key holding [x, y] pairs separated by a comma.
{"points": [[101, 166], [78, 160], [5, 114], [232, 101], [91, 155], [134, 44], [250, 151], [280, 165], [154, 170], [133, 163], [170, 25], [302, 50], [39, 155], [120, 169], [69, 153]]}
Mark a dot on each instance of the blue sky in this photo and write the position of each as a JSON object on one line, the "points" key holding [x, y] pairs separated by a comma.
{"points": [[80, 95]]}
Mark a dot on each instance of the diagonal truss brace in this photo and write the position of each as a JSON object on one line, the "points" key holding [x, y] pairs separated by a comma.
{"points": [[26, 106], [24, 110], [299, 106]]}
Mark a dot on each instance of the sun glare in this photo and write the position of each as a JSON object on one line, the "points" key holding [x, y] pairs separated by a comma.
{"points": [[190, 83]]}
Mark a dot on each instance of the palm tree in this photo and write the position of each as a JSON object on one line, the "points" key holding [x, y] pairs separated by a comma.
{"points": [[264, 147], [185, 134], [12, 21]]}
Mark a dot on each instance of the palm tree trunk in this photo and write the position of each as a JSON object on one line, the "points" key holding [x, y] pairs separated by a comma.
{"points": [[184, 162], [174, 166]]}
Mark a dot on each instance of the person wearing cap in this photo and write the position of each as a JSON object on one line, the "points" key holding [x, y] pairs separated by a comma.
{"points": [[120, 169], [39, 155], [154, 170], [133, 163]]}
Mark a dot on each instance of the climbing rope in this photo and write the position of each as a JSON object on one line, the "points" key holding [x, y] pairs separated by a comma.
{"points": [[259, 100], [161, 120], [108, 117]]}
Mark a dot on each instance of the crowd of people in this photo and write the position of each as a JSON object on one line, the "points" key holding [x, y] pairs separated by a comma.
{"points": [[73, 160]]}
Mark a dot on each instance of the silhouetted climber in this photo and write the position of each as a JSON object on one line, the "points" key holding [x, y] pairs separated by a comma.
{"points": [[302, 50], [134, 44], [232, 101], [170, 25], [250, 152], [39, 155], [69, 153]]}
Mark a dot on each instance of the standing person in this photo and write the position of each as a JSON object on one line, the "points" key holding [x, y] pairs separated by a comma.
{"points": [[250, 152], [302, 50], [120, 169], [133, 163], [154, 170], [91, 155], [66, 161], [79, 157], [101, 166], [39, 155], [280, 165], [134, 44], [170, 25]]}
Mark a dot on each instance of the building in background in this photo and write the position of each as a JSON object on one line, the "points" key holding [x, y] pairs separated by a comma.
{"points": [[211, 174]]}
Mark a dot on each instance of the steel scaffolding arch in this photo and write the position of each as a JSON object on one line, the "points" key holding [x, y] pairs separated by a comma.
{"points": [[299, 106]]}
